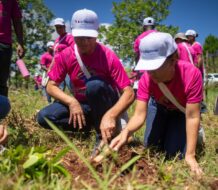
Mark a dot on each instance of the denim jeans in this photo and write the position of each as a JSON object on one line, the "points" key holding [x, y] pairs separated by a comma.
{"points": [[5, 62], [4, 106], [100, 98], [165, 129]]}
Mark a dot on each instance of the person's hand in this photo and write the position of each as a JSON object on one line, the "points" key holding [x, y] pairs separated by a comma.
{"points": [[3, 134], [76, 114], [120, 140], [20, 51], [193, 164], [107, 127]]}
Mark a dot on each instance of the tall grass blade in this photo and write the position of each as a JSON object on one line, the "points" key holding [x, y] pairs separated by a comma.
{"points": [[70, 144]]}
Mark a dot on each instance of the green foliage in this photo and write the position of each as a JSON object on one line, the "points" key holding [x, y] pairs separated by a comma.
{"points": [[211, 44], [129, 15]]}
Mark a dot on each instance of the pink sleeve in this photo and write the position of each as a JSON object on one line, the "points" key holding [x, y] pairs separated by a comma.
{"points": [[58, 71], [136, 46], [195, 88], [70, 40], [16, 13], [43, 60], [118, 73], [198, 49], [143, 88]]}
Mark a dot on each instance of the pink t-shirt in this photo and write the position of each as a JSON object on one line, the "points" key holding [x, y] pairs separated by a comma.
{"points": [[186, 86], [183, 53], [46, 59], [9, 10], [63, 42], [103, 63], [138, 39], [198, 51]]}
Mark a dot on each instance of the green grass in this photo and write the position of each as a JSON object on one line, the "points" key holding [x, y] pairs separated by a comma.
{"points": [[27, 138]]}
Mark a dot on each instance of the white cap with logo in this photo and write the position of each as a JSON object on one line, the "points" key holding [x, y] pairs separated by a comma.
{"points": [[85, 23], [59, 21], [154, 50], [149, 21], [191, 33], [50, 44]]}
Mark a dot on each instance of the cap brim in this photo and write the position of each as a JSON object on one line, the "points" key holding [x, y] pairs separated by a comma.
{"points": [[85, 33], [149, 65]]}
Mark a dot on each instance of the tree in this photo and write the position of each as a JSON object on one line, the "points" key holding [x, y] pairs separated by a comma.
{"points": [[129, 15], [211, 50]]}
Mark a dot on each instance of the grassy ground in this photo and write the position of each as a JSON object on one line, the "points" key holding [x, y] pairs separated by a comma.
{"points": [[28, 162]]}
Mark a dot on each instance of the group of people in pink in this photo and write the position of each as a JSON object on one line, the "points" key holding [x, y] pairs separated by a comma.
{"points": [[168, 97]]}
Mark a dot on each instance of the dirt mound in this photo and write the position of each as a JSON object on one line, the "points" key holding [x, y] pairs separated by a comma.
{"points": [[142, 170], [214, 185]]}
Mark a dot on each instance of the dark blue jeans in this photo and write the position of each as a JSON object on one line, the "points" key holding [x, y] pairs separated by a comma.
{"points": [[100, 98], [5, 61], [4, 106], [165, 129]]}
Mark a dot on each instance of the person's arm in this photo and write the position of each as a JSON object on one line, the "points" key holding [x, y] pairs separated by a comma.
{"points": [[108, 122], [18, 27], [192, 127], [76, 113], [135, 123], [199, 60]]}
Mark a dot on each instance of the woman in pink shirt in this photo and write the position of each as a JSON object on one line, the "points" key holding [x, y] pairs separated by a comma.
{"points": [[167, 128], [184, 49], [95, 101]]}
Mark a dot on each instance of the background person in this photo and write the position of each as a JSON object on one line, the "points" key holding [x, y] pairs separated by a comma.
{"points": [[95, 98], [45, 62], [63, 41], [184, 49], [9, 13], [167, 128], [148, 27], [191, 35]]}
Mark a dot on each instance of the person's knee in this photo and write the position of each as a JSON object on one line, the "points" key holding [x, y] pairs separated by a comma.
{"points": [[93, 87], [41, 118], [5, 107]]}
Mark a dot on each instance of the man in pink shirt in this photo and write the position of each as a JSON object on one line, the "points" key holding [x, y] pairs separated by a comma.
{"points": [[148, 27], [191, 35], [95, 101], [63, 41], [184, 49], [167, 128], [9, 13]]}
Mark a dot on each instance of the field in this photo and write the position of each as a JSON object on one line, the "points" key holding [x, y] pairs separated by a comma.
{"points": [[41, 159]]}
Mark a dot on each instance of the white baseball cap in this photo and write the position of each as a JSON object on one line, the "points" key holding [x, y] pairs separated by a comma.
{"points": [[154, 50], [149, 21], [191, 33], [85, 23], [59, 21], [50, 44]]}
